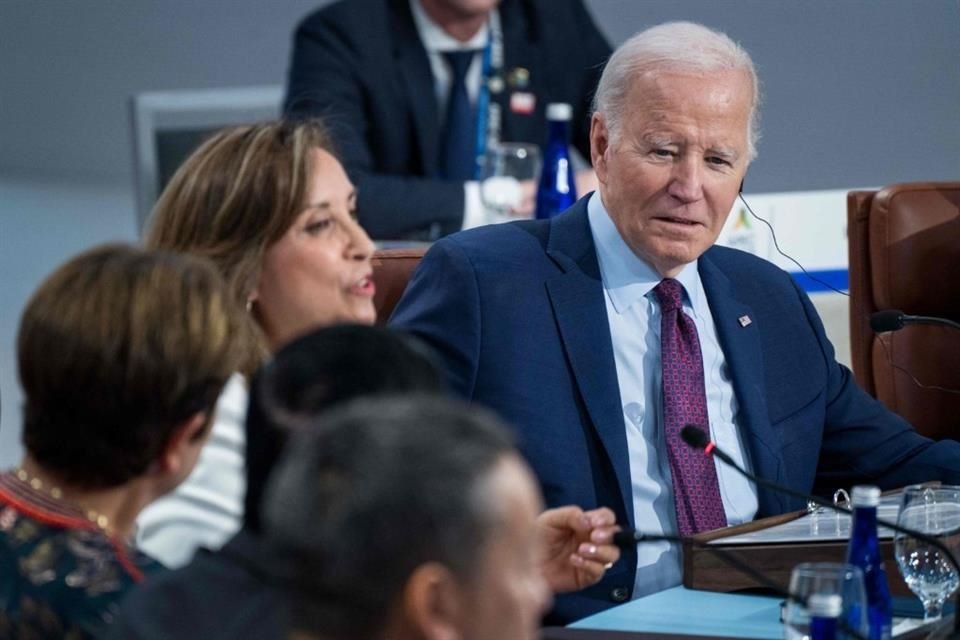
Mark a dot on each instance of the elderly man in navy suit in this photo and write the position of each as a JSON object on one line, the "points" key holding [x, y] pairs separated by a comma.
{"points": [[414, 91], [600, 333]]}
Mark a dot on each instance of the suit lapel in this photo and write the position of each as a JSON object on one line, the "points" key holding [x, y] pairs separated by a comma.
{"points": [[416, 84], [742, 350], [580, 311]]}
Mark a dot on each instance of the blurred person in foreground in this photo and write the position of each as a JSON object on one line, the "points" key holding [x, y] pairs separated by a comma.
{"points": [[600, 333], [406, 519], [415, 91], [121, 354], [271, 206], [226, 594]]}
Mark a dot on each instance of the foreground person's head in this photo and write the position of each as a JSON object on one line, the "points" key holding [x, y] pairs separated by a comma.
{"points": [[406, 518], [122, 354], [312, 374]]}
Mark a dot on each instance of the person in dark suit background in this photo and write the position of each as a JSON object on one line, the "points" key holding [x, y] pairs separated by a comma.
{"points": [[375, 71], [580, 330]]}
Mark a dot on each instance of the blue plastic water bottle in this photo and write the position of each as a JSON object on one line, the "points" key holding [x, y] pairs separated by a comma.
{"points": [[864, 552], [824, 609], [557, 190]]}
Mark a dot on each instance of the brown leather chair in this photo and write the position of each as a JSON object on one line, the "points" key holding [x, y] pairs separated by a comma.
{"points": [[392, 269], [904, 244]]}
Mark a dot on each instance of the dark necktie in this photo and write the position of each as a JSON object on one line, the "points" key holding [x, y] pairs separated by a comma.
{"points": [[457, 147], [696, 492]]}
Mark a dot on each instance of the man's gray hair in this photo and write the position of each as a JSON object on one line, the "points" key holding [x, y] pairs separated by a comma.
{"points": [[684, 47]]}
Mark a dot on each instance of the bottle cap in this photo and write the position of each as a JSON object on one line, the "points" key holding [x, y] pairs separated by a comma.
{"points": [[559, 111], [825, 605], [865, 496]]}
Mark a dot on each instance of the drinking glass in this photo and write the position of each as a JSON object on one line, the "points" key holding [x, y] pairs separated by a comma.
{"points": [[926, 569], [508, 180], [826, 578]]}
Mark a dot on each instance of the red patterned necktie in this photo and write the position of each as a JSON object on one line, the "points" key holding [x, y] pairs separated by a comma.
{"points": [[696, 493]]}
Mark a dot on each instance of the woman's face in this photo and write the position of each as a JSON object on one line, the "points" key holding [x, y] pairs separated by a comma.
{"points": [[318, 273]]}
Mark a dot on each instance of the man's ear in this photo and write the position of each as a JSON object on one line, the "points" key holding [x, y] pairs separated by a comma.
{"points": [[599, 143], [186, 438], [433, 603]]}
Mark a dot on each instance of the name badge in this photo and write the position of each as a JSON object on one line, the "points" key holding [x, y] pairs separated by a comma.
{"points": [[522, 102]]}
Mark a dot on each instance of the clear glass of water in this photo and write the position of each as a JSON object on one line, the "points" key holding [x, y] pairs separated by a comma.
{"points": [[826, 578], [508, 180], [926, 569]]}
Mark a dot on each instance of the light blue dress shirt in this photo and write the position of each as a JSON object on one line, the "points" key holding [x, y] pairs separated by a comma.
{"points": [[634, 318]]}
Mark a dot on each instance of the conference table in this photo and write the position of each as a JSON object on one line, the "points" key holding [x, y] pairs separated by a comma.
{"points": [[692, 613], [680, 613], [721, 601]]}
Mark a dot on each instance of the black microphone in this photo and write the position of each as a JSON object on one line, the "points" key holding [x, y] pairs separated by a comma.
{"points": [[894, 320], [697, 438], [628, 537]]}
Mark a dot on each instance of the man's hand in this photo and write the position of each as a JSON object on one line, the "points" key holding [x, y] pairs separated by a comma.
{"points": [[577, 546]]}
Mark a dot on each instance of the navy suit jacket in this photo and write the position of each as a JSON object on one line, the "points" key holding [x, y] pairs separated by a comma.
{"points": [[220, 595], [517, 313], [361, 66]]}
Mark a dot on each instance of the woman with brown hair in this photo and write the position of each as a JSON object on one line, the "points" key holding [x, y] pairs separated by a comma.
{"points": [[113, 419], [272, 207]]}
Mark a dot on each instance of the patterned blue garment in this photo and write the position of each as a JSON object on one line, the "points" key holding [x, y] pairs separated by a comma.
{"points": [[60, 576]]}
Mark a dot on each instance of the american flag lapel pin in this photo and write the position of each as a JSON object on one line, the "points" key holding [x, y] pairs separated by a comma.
{"points": [[744, 321]]}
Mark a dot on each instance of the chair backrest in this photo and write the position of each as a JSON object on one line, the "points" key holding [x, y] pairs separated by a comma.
{"points": [[392, 269], [904, 245], [169, 125]]}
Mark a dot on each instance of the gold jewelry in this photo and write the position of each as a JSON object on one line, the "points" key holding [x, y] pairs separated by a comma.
{"points": [[101, 521]]}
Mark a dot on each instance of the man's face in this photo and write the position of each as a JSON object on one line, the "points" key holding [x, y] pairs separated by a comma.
{"points": [[509, 594], [670, 177]]}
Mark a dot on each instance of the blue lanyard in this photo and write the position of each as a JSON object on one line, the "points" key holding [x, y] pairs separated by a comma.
{"points": [[488, 112]]}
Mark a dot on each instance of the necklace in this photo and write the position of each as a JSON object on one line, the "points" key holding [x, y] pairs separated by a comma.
{"points": [[101, 521]]}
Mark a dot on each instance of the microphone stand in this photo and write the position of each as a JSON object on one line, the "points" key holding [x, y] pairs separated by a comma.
{"points": [[695, 437]]}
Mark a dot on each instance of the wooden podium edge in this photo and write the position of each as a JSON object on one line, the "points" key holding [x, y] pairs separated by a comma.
{"points": [[706, 571]]}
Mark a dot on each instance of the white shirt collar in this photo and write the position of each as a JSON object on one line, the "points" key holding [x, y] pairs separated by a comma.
{"points": [[435, 39], [626, 277]]}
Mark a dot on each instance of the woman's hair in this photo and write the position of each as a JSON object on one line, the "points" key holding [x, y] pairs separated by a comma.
{"points": [[236, 195], [116, 349]]}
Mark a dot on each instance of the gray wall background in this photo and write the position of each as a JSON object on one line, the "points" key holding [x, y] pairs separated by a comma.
{"points": [[856, 93]]}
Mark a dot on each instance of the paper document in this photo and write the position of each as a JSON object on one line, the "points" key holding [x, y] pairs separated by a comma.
{"points": [[823, 525]]}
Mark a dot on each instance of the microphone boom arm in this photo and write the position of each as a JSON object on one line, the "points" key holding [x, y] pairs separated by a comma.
{"points": [[693, 439]]}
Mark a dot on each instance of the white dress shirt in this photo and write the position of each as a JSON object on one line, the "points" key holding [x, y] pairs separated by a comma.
{"points": [[634, 317], [207, 508]]}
